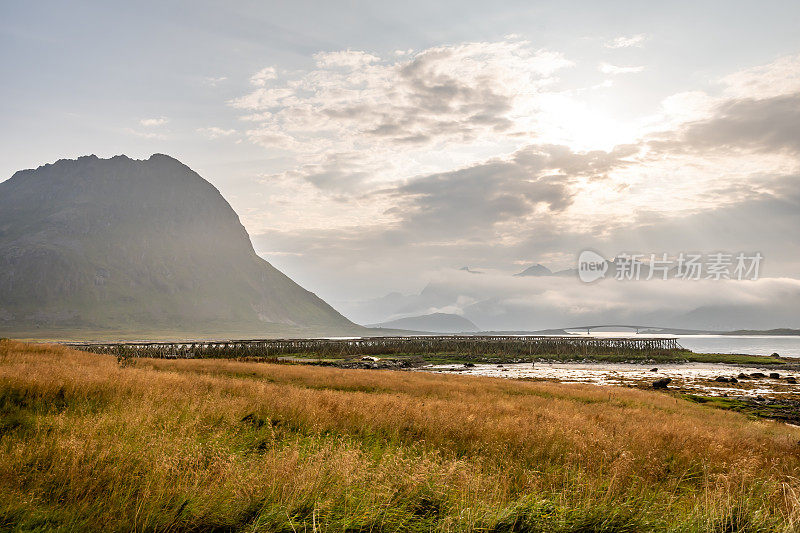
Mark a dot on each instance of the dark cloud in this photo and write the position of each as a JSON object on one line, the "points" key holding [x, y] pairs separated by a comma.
{"points": [[433, 94], [759, 125], [471, 201], [462, 201], [335, 178], [337, 173], [594, 164]]}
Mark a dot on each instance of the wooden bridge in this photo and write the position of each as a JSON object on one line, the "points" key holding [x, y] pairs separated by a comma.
{"points": [[589, 329], [491, 345]]}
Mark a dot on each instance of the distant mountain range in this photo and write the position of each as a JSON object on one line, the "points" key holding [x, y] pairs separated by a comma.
{"points": [[737, 332], [538, 270], [144, 247], [534, 300], [535, 270], [433, 322]]}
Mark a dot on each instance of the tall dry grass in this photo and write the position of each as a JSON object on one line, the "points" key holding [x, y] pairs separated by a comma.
{"points": [[214, 445]]}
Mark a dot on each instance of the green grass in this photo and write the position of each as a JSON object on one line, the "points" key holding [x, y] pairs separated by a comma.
{"points": [[785, 410]]}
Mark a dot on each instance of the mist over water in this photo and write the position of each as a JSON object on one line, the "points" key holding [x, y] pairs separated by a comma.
{"points": [[784, 345]]}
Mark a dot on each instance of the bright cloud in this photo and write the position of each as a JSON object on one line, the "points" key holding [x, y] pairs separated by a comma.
{"points": [[408, 114], [260, 78], [214, 81], [153, 122], [627, 42], [607, 68], [349, 59], [781, 76], [213, 132]]}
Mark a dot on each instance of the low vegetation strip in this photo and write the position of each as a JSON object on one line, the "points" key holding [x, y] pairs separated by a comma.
{"points": [[87, 443]]}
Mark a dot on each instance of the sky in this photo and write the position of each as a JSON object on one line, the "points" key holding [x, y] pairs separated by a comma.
{"points": [[379, 147]]}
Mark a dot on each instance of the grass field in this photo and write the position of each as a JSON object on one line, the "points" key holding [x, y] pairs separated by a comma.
{"points": [[87, 443]]}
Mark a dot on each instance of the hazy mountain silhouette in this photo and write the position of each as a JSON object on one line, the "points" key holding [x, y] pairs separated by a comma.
{"points": [[133, 245], [434, 322], [535, 270]]}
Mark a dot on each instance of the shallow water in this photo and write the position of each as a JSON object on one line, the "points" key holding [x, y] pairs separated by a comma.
{"points": [[786, 346], [696, 377]]}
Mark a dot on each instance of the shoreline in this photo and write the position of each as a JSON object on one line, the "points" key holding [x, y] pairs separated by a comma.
{"points": [[764, 394]]}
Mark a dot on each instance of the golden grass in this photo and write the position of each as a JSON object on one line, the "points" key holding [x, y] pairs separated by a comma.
{"points": [[203, 445]]}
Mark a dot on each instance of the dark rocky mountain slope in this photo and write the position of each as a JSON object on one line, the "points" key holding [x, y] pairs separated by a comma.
{"points": [[138, 246]]}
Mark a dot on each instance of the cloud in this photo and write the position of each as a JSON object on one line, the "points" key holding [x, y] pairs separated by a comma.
{"points": [[350, 59], [760, 222], [481, 210], [403, 167], [443, 92], [447, 225], [260, 78], [474, 201], [273, 138], [607, 68], [495, 199], [500, 301], [762, 125], [403, 110], [544, 203], [337, 173], [153, 122], [777, 78], [214, 132], [150, 124], [627, 42], [214, 81]]}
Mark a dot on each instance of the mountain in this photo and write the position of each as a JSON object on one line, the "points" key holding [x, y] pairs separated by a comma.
{"points": [[535, 270], [434, 323], [144, 246], [778, 331], [502, 302], [742, 316]]}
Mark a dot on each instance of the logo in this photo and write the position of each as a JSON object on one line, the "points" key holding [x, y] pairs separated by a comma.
{"points": [[591, 266], [715, 266]]}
